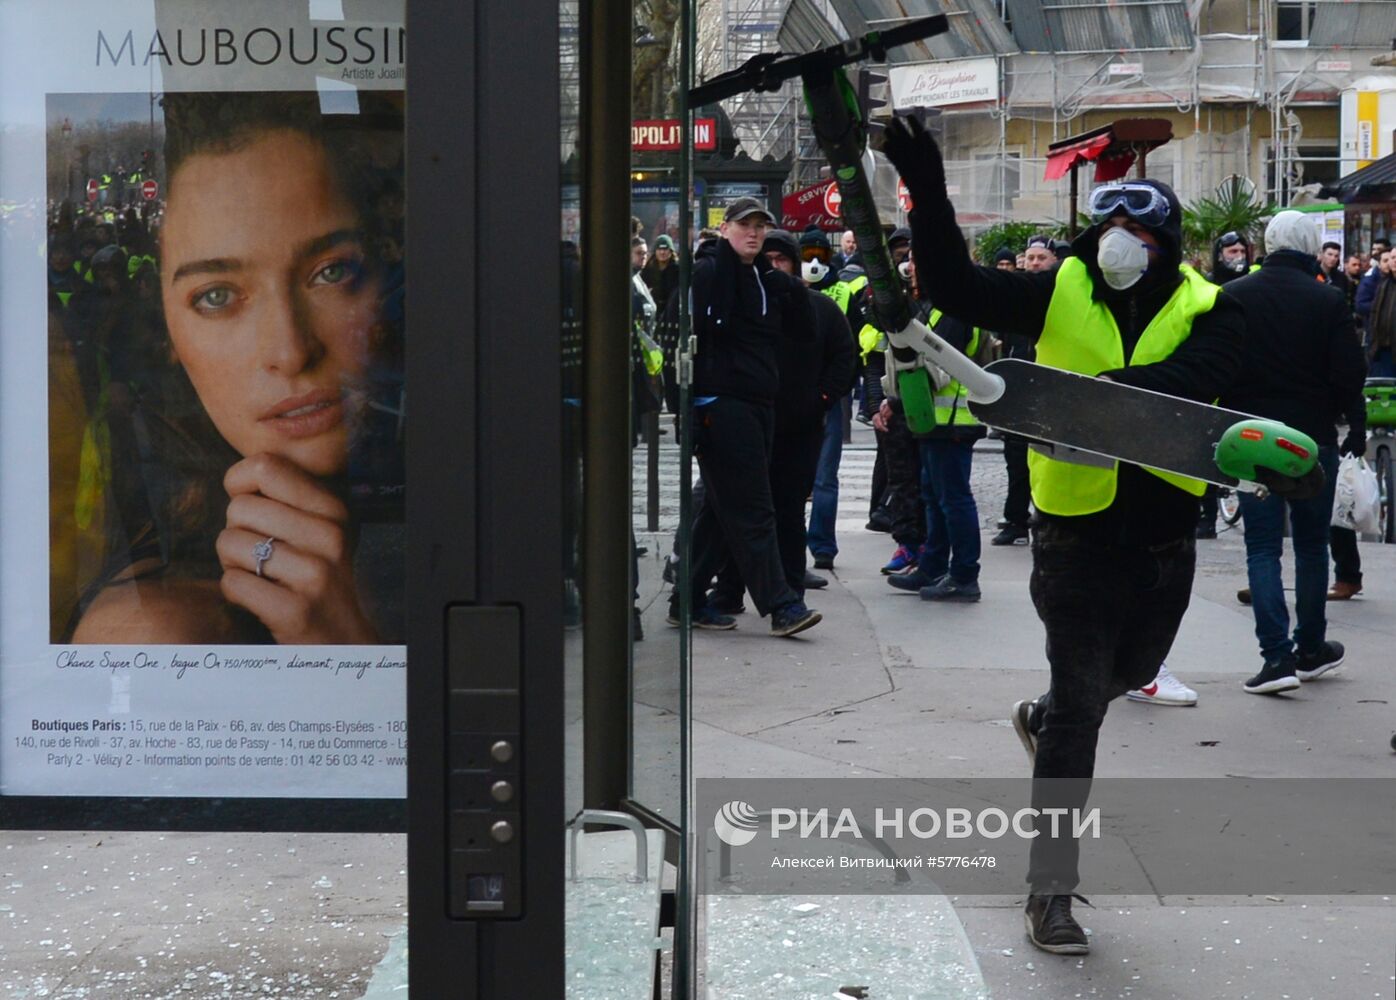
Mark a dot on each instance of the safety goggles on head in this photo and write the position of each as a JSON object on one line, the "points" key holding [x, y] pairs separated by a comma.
{"points": [[816, 252], [1230, 239], [1141, 202]]}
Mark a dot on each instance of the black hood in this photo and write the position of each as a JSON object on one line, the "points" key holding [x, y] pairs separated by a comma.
{"points": [[1163, 273], [783, 242], [1221, 274]]}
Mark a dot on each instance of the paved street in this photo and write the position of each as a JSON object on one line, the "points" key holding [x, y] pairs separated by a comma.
{"points": [[890, 686], [887, 686]]}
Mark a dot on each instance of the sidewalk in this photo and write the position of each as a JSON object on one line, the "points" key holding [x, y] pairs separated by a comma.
{"points": [[886, 686], [891, 686]]}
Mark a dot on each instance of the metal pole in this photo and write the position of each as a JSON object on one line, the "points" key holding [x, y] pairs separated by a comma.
{"points": [[1071, 216], [686, 954], [652, 470], [607, 30]]}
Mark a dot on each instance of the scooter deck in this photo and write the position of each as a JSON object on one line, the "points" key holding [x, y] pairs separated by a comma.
{"points": [[1075, 412]]}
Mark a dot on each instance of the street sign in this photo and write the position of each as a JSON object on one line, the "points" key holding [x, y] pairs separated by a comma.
{"points": [[92, 189], [832, 201], [149, 189]]}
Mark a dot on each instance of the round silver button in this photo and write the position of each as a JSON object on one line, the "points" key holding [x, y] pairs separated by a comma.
{"points": [[502, 832], [502, 751], [502, 791]]}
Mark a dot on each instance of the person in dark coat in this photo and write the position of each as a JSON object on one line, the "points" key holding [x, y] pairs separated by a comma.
{"points": [[1303, 367], [661, 272], [1381, 321], [742, 307], [814, 378]]}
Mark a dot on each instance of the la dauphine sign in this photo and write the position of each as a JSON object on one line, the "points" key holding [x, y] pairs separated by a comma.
{"points": [[937, 84]]}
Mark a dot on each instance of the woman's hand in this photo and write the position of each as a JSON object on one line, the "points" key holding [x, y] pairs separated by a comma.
{"points": [[305, 593]]}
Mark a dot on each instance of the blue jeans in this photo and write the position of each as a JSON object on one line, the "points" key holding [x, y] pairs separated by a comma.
{"points": [[1308, 524], [824, 507], [952, 520]]}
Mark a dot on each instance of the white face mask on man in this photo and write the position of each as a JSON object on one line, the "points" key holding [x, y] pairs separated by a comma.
{"points": [[1123, 258], [813, 271]]}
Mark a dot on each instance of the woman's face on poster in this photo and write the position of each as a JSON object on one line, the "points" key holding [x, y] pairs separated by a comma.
{"points": [[266, 299]]}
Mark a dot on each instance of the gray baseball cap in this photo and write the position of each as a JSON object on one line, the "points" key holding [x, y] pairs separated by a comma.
{"points": [[744, 207]]}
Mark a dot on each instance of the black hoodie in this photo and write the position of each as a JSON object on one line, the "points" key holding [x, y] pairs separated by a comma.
{"points": [[1146, 510], [739, 312]]}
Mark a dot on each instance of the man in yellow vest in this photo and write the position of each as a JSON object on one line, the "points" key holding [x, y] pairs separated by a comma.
{"points": [[1113, 549]]}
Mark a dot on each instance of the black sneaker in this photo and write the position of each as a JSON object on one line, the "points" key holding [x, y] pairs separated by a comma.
{"points": [[822, 561], [1051, 927], [793, 617], [815, 582], [1206, 531], [671, 566], [912, 581], [724, 605], [949, 589], [880, 521], [1274, 677], [1011, 535], [1312, 666], [704, 618], [1022, 717], [637, 630]]}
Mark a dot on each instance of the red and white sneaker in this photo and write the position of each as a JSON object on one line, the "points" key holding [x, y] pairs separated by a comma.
{"points": [[1165, 690]]}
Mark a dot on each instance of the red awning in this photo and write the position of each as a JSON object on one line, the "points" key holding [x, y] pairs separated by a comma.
{"points": [[1112, 148], [1060, 161]]}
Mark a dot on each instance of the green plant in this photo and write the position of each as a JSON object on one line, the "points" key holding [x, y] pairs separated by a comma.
{"points": [[1234, 208], [1013, 235]]}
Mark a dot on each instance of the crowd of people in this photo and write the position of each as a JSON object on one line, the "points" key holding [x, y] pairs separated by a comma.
{"points": [[786, 336]]}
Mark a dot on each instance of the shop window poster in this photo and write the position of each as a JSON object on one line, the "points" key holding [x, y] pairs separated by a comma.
{"points": [[202, 289]]}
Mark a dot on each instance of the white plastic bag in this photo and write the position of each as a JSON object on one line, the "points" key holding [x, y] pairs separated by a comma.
{"points": [[1356, 496]]}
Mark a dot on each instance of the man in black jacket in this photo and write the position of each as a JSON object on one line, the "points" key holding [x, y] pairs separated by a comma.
{"points": [[1303, 367], [814, 377], [742, 306], [1113, 552]]}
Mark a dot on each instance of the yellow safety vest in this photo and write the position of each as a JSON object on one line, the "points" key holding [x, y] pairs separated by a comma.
{"points": [[869, 339], [842, 292], [952, 401], [1081, 335]]}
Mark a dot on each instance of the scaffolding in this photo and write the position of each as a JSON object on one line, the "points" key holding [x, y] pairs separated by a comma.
{"points": [[1194, 70], [764, 124]]}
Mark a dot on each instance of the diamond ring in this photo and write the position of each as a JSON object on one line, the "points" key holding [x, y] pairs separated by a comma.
{"points": [[262, 552]]}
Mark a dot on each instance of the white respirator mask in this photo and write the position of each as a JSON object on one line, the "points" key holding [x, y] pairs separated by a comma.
{"points": [[904, 269], [813, 271], [1123, 258]]}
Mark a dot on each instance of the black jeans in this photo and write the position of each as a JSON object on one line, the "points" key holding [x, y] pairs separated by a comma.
{"points": [[1347, 564], [902, 458], [1110, 615], [879, 478], [733, 439], [794, 459], [1015, 457]]}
